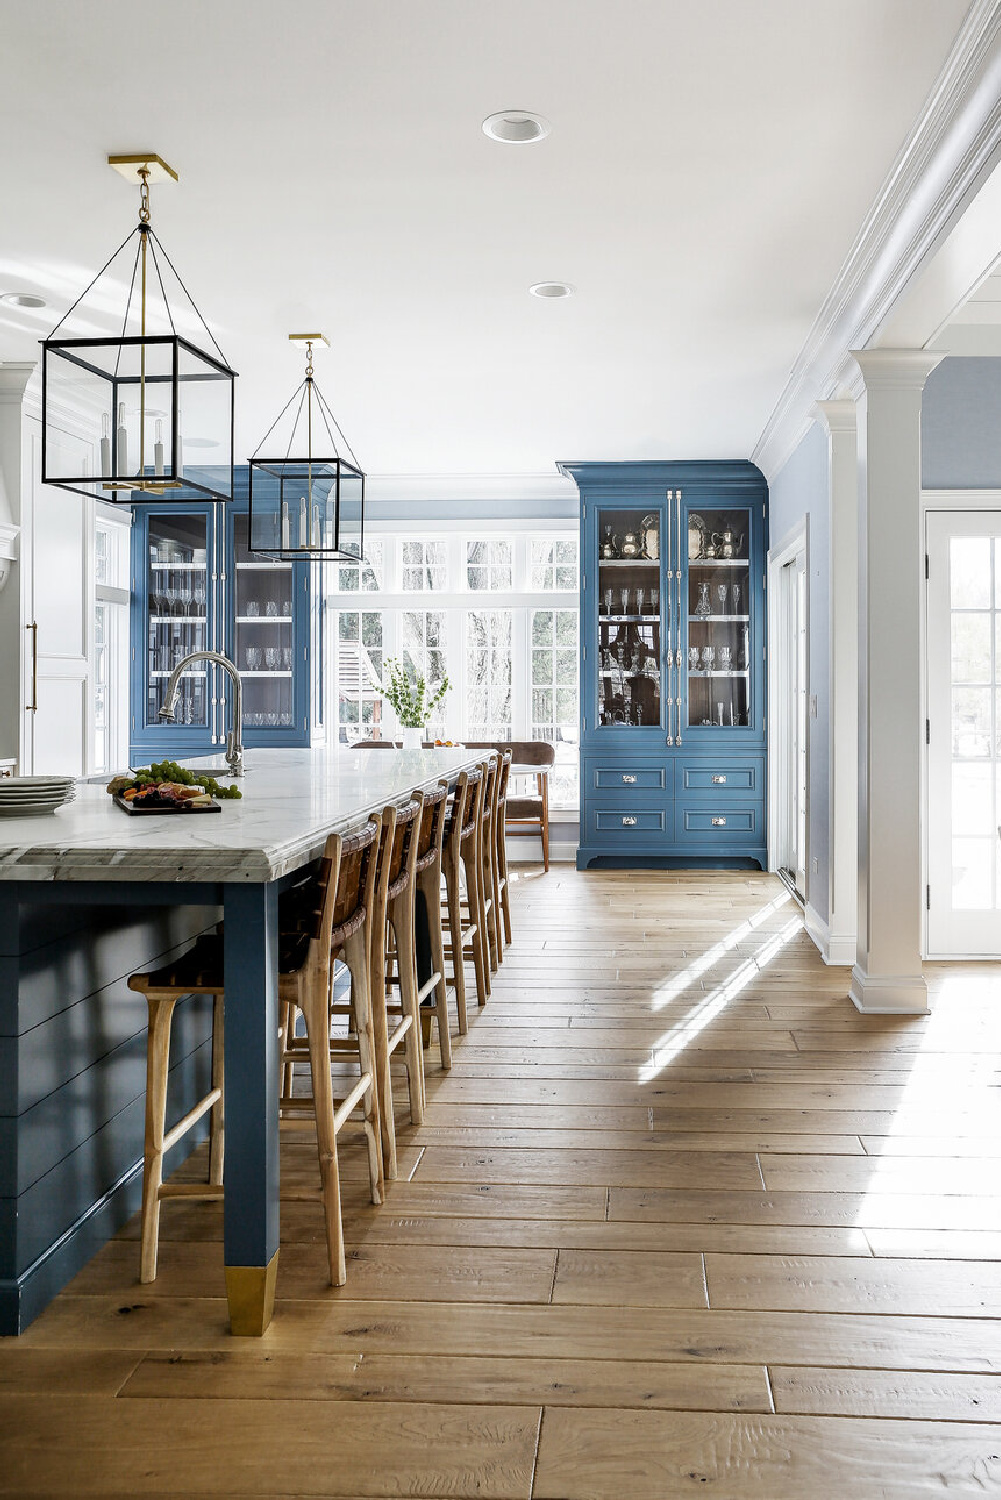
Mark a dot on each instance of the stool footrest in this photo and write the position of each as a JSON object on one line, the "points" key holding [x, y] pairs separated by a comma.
{"points": [[191, 1118], [190, 1190]]}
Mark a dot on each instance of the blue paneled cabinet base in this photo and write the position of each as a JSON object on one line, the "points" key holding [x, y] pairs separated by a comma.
{"points": [[672, 726]]}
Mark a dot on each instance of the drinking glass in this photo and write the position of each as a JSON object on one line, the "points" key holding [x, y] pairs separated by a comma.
{"points": [[286, 657], [253, 608], [271, 657], [708, 658], [200, 594], [725, 654], [253, 657], [271, 609], [608, 601], [735, 596], [286, 606], [624, 601], [693, 658], [721, 596]]}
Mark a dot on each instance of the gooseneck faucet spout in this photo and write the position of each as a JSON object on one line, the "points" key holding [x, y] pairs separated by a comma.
{"points": [[234, 739]]}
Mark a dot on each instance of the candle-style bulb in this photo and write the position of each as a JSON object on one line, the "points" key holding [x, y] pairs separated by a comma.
{"points": [[106, 445], [316, 527], [303, 523], [123, 441], [158, 449], [285, 526]]}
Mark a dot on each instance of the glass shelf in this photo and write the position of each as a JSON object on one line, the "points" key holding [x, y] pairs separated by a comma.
{"points": [[718, 619], [718, 562]]}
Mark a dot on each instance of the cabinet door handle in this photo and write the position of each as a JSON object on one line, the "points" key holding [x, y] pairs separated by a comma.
{"points": [[33, 628], [719, 781], [629, 780], [629, 822], [719, 822]]}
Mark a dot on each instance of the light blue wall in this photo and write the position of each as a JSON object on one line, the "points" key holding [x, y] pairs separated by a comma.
{"points": [[404, 513], [802, 488], [961, 425]]}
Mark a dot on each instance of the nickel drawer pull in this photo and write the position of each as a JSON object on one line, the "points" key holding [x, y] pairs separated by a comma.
{"points": [[629, 780], [629, 822], [719, 822], [719, 781], [33, 631]]}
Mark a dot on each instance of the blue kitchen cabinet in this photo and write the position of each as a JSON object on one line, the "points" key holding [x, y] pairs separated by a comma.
{"points": [[673, 662], [195, 585]]}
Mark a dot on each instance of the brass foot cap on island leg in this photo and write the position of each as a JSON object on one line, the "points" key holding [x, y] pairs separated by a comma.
{"points": [[250, 1292]]}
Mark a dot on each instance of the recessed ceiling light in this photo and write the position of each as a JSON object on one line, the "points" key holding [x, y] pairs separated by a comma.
{"points": [[552, 289], [516, 127], [22, 299]]}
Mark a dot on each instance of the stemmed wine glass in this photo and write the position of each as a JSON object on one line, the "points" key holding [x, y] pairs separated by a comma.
{"points": [[721, 596]]}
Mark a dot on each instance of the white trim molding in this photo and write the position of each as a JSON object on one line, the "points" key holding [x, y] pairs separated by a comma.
{"points": [[952, 148]]}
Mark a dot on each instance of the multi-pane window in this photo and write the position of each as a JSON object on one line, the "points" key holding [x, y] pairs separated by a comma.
{"points": [[425, 565], [504, 629], [359, 673], [488, 565], [365, 577], [488, 674], [554, 563], [422, 643], [555, 676]]}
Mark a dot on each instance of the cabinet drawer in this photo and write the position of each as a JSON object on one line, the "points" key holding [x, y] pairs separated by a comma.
{"points": [[721, 822], [722, 778], [630, 778], [625, 824]]}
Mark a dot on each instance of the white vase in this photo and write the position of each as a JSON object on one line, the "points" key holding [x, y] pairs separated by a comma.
{"points": [[413, 739]]}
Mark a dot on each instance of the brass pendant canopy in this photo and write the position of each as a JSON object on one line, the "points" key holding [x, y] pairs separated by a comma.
{"points": [[147, 411], [309, 503]]}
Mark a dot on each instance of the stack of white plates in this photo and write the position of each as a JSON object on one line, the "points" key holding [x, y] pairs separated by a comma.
{"points": [[25, 796]]}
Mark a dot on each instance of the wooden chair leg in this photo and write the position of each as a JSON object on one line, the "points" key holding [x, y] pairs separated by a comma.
{"points": [[318, 1035], [502, 875], [430, 886], [356, 959], [157, 1065], [454, 899], [403, 925], [217, 1129], [383, 1077], [476, 914]]}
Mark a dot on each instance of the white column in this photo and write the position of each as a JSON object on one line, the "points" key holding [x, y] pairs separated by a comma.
{"points": [[838, 418], [887, 976], [13, 380]]}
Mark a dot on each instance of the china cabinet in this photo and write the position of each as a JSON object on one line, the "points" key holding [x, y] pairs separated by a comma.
{"points": [[673, 661], [196, 586]]}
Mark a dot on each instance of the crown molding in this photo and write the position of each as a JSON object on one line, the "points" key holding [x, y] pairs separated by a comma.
{"points": [[895, 369], [14, 377], [950, 150]]}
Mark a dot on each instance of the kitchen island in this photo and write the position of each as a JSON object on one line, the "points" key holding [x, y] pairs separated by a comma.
{"points": [[90, 894]]}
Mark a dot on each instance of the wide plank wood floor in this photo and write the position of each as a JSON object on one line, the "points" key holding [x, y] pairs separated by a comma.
{"points": [[678, 1222]]}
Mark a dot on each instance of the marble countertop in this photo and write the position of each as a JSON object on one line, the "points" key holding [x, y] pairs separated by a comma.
{"points": [[291, 800]]}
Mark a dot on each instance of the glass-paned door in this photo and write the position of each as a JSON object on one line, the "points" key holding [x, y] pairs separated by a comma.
{"points": [[964, 734], [264, 638], [628, 658], [719, 606], [177, 613]]}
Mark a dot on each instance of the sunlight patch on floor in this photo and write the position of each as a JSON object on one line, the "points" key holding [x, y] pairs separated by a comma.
{"points": [[684, 1033], [705, 961]]}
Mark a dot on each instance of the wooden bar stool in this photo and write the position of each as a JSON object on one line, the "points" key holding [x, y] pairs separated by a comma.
{"points": [[196, 972], [460, 859], [325, 921], [501, 890], [427, 877], [393, 940]]}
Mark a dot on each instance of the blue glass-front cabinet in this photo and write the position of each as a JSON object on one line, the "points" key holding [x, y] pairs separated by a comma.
{"points": [[195, 585], [673, 661]]}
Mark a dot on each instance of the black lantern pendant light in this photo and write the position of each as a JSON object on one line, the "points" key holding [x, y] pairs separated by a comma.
{"points": [[143, 413], [306, 504]]}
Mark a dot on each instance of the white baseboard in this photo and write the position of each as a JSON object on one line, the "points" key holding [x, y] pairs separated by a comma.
{"points": [[525, 851], [837, 949]]}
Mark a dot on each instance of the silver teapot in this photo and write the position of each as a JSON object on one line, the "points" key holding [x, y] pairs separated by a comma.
{"points": [[630, 545]]}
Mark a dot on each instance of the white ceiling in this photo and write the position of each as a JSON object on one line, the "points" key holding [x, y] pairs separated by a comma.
{"points": [[708, 168]]}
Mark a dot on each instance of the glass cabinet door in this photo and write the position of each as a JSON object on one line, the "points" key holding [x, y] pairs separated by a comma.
{"points": [[720, 649], [177, 593], [629, 619], [264, 636]]}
